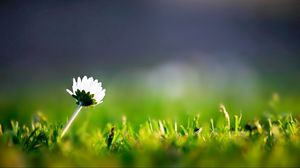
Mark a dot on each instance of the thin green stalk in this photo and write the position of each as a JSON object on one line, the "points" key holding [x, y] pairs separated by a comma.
{"points": [[226, 114], [237, 122], [212, 126]]}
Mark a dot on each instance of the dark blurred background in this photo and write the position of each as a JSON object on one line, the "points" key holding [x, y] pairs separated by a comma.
{"points": [[58, 38], [44, 42]]}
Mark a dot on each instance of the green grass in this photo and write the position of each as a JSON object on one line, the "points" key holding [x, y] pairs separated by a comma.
{"points": [[265, 141], [135, 126]]}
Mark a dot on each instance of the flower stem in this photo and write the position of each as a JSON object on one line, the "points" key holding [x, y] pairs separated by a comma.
{"points": [[71, 120]]}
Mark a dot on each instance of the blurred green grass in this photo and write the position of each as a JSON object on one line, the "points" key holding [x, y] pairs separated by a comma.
{"points": [[154, 143], [135, 144], [138, 102]]}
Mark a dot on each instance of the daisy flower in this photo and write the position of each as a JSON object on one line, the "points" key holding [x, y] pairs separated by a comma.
{"points": [[87, 92]]}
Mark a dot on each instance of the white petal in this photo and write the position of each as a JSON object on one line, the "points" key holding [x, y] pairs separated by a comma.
{"points": [[69, 91], [84, 83], [89, 84], [74, 87], [100, 95], [99, 102], [98, 87], [84, 79], [79, 84], [93, 88]]}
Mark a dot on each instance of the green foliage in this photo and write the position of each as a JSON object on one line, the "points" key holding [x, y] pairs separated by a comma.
{"points": [[182, 132], [32, 138], [162, 142]]}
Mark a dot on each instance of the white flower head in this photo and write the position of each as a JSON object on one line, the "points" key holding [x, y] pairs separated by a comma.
{"points": [[87, 91]]}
